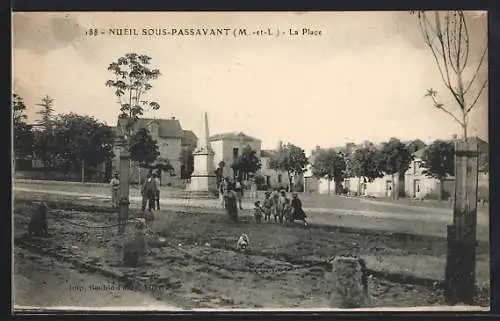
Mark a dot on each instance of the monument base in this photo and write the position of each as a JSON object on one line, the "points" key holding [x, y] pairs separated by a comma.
{"points": [[202, 186]]}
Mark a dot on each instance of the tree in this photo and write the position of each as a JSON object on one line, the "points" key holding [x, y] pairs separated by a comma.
{"points": [[447, 36], [132, 77], [396, 160], [365, 163], [439, 162], [330, 164], [46, 113], [82, 140], [246, 163], [143, 148], [291, 159], [23, 136], [415, 145]]}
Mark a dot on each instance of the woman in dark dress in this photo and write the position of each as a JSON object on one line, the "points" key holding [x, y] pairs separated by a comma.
{"points": [[231, 203], [298, 213]]}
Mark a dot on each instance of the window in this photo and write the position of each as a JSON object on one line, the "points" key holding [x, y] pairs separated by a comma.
{"points": [[235, 153], [279, 179], [268, 180]]}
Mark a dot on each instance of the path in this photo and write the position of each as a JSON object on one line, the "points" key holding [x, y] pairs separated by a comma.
{"points": [[410, 219]]}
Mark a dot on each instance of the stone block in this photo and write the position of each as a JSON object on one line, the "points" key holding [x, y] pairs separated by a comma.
{"points": [[349, 283]]}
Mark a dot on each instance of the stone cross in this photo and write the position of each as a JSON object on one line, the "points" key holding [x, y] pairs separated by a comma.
{"points": [[349, 283]]}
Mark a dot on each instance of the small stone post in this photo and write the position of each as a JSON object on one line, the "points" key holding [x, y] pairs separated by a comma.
{"points": [[349, 283]]}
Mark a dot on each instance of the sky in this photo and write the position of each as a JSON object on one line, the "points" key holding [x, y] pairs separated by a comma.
{"points": [[363, 78]]}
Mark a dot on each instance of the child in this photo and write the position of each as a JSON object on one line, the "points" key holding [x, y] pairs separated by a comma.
{"points": [[297, 211], [275, 204], [268, 205], [283, 200], [257, 212]]}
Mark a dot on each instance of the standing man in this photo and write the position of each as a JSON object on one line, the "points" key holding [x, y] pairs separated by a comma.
{"points": [[223, 188], [144, 192], [253, 187], [115, 190], [157, 193], [238, 188]]}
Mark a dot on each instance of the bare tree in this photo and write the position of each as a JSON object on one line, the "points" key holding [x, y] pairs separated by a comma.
{"points": [[447, 36]]}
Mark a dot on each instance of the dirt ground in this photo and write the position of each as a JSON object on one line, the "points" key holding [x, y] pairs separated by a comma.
{"points": [[42, 281], [197, 265]]}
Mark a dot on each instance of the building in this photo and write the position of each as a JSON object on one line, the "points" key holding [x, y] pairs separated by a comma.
{"points": [[272, 178], [228, 146], [418, 185], [170, 137], [380, 187]]}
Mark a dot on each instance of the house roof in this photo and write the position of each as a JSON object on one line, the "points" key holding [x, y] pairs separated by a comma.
{"points": [[233, 136], [189, 138], [168, 128]]}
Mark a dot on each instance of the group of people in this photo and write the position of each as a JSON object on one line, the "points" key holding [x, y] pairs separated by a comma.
{"points": [[150, 191], [282, 208]]}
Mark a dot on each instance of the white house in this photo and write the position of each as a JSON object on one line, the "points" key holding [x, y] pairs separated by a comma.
{"points": [[272, 177], [228, 146]]}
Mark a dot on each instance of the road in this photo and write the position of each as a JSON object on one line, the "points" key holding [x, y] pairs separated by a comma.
{"points": [[330, 210]]}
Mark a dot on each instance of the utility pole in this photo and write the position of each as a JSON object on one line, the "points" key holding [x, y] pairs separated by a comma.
{"points": [[460, 273], [124, 186]]}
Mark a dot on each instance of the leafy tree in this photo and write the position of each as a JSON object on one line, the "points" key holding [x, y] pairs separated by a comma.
{"points": [[188, 168], [46, 113], [415, 145], [246, 163], [82, 140], [447, 36], [365, 163], [439, 162], [291, 159], [330, 164], [23, 136], [143, 148], [46, 148], [396, 160], [132, 80]]}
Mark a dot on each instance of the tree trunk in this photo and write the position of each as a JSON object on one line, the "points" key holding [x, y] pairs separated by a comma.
{"points": [[395, 188], [289, 182], [359, 186], [329, 181], [139, 174], [83, 171], [440, 190]]}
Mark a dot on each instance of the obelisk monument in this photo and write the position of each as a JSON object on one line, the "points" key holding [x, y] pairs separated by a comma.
{"points": [[203, 180]]}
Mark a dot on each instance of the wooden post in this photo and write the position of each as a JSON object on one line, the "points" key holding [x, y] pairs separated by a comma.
{"points": [[461, 259], [124, 189]]}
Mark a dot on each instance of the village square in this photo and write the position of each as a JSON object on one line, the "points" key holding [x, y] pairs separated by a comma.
{"points": [[208, 207]]}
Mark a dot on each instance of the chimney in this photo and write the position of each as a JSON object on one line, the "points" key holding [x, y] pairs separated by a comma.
{"points": [[173, 117]]}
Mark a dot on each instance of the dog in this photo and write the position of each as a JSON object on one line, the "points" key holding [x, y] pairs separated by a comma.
{"points": [[38, 225], [243, 242]]}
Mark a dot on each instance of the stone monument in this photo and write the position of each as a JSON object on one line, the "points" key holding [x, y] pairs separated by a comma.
{"points": [[203, 179]]}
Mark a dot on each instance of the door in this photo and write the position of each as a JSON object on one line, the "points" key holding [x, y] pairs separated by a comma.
{"points": [[416, 188]]}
